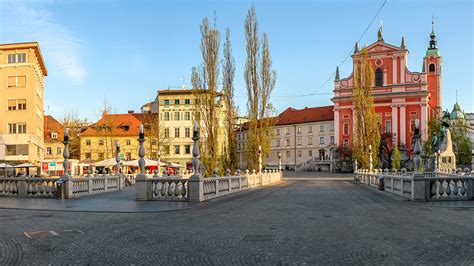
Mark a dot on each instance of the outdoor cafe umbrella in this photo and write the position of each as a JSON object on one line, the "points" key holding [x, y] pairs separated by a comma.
{"points": [[108, 162], [148, 162], [4, 167]]}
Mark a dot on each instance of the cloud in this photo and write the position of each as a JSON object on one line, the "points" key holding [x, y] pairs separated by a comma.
{"points": [[32, 21]]}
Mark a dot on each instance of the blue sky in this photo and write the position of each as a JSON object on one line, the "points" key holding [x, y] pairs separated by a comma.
{"points": [[125, 50]]}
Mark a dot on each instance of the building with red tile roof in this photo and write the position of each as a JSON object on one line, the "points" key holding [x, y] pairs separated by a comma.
{"points": [[53, 137]]}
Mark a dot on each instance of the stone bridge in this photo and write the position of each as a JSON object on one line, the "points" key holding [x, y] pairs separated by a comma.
{"points": [[304, 219]]}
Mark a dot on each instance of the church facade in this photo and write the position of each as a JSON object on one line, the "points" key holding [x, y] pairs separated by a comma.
{"points": [[400, 95]]}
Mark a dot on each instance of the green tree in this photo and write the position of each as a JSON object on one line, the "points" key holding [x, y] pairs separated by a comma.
{"points": [[433, 129], [461, 144], [396, 158], [367, 129]]}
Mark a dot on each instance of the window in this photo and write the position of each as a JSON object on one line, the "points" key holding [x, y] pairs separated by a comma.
{"points": [[310, 129], [187, 132], [21, 58], [22, 128], [299, 141], [101, 142], [176, 102], [332, 139], [346, 128], [13, 150], [12, 58], [48, 150], [238, 137], [299, 130], [128, 155], [412, 125], [176, 149], [187, 149], [58, 150], [176, 132], [321, 140], [299, 153], [11, 105], [332, 127], [432, 68], [287, 142], [288, 154], [277, 132], [310, 153], [16, 81], [197, 116], [127, 142], [287, 130], [22, 104], [100, 156], [321, 128], [310, 141], [54, 135], [166, 103], [187, 101], [88, 142], [346, 143], [167, 116], [278, 143], [388, 126], [16, 105], [153, 142], [167, 132], [166, 149], [378, 77], [176, 116], [187, 116], [12, 128]]}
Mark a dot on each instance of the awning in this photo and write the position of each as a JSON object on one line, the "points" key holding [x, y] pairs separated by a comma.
{"points": [[148, 162]]}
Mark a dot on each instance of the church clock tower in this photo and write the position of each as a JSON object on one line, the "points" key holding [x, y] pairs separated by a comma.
{"points": [[432, 67]]}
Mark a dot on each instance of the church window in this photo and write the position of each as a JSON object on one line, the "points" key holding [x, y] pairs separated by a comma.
{"points": [[378, 77], [432, 68]]}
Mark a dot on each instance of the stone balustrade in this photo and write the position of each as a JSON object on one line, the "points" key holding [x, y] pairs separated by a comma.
{"points": [[84, 186], [191, 186], [28, 187], [426, 186]]}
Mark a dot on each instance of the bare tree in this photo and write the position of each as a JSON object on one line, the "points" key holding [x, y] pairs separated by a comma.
{"points": [[204, 83], [228, 74], [76, 126], [260, 80]]}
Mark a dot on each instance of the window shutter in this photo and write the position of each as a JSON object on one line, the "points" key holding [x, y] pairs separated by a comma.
{"points": [[11, 81], [21, 81]]}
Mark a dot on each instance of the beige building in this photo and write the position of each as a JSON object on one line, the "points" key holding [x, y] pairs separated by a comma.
{"points": [[22, 72], [53, 138], [300, 136], [176, 108]]}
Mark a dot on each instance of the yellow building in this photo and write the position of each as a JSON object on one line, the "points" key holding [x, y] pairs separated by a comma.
{"points": [[53, 138], [176, 108], [22, 73], [97, 142]]}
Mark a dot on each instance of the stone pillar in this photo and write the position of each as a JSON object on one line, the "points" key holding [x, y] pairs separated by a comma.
{"points": [[336, 126], [22, 186], [118, 171], [395, 122], [195, 183], [370, 158], [142, 191], [403, 129], [279, 161]]}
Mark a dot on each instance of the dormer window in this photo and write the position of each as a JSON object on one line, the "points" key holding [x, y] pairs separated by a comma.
{"points": [[54, 135], [432, 68], [378, 77]]}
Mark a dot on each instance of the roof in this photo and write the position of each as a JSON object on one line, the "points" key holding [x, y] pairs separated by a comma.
{"points": [[299, 116], [457, 113], [34, 45], [171, 92], [306, 115], [118, 125], [50, 125]]}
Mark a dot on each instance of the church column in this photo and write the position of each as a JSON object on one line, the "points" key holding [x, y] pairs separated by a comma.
{"points": [[403, 121], [402, 70], [394, 72], [395, 121], [336, 126], [424, 121]]}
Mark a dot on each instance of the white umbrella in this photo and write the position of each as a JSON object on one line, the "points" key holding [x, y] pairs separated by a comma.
{"points": [[148, 162], [108, 162], [175, 165], [4, 165], [25, 165]]}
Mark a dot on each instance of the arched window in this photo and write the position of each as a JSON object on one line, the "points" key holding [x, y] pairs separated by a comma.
{"points": [[346, 143], [432, 68], [378, 77]]}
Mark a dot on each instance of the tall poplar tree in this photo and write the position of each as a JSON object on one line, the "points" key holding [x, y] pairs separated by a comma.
{"points": [[367, 129], [260, 81]]}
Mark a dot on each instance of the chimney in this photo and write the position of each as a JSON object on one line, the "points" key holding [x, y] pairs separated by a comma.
{"points": [[104, 113], [131, 111]]}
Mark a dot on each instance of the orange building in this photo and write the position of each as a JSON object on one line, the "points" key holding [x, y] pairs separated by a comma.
{"points": [[400, 96]]}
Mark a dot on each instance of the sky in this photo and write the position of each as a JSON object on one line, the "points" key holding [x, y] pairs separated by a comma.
{"points": [[124, 51]]}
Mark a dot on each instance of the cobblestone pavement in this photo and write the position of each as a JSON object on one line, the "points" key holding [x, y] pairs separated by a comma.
{"points": [[294, 222]]}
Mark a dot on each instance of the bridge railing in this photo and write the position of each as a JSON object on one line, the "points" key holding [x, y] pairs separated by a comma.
{"points": [[197, 187]]}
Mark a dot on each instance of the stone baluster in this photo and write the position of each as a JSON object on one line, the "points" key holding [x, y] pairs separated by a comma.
{"points": [[355, 166], [279, 161], [143, 188], [195, 182], [66, 177], [370, 158]]}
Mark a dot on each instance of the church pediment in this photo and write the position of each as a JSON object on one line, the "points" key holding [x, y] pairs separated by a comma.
{"points": [[381, 47]]}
